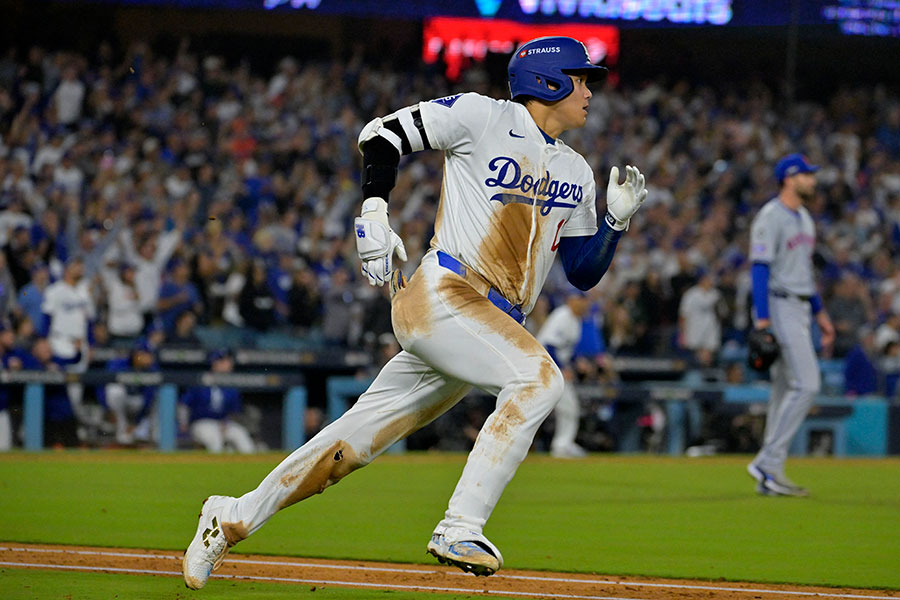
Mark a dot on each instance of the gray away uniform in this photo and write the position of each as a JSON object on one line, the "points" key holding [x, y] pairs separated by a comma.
{"points": [[785, 239]]}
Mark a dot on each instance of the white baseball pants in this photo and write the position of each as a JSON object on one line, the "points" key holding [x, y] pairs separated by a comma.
{"points": [[212, 434], [567, 414], [5, 431], [795, 380], [453, 338]]}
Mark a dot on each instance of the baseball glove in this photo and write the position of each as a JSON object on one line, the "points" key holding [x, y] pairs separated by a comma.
{"points": [[763, 349]]}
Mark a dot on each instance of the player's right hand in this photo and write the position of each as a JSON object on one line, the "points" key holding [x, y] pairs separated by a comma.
{"points": [[376, 242], [623, 200]]}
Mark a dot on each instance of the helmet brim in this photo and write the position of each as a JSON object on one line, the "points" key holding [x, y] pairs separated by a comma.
{"points": [[594, 73]]}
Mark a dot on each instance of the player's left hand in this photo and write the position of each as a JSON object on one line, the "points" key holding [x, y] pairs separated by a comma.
{"points": [[376, 242], [623, 200], [827, 329]]}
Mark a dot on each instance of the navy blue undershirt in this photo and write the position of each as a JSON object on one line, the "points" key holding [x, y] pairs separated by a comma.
{"points": [[586, 258]]}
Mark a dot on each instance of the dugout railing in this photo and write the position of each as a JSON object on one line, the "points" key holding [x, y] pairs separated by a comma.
{"points": [[858, 426]]}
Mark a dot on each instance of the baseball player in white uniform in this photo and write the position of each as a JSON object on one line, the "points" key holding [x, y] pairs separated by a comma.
{"points": [[513, 196], [782, 240], [69, 309], [560, 334]]}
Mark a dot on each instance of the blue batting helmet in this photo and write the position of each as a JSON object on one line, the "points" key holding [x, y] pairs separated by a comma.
{"points": [[549, 60]]}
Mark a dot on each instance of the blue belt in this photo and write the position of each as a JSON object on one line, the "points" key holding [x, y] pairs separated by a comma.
{"points": [[495, 297]]}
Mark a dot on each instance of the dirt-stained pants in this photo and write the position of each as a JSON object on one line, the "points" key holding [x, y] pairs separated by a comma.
{"points": [[453, 338]]}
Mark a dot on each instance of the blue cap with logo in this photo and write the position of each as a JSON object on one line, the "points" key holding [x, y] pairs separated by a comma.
{"points": [[793, 164]]}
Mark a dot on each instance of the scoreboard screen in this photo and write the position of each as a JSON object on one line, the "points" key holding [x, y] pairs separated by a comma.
{"points": [[852, 17]]}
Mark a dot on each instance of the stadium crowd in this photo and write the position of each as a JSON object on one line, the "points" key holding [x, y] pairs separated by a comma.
{"points": [[165, 196]]}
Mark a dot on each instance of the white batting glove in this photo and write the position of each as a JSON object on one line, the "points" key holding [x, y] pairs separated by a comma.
{"points": [[376, 242], [623, 200]]}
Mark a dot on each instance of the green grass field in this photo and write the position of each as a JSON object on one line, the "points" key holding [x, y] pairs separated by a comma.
{"points": [[639, 515]]}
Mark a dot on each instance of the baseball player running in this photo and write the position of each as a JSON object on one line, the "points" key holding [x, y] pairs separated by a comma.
{"points": [[513, 196], [559, 335], [782, 239]]}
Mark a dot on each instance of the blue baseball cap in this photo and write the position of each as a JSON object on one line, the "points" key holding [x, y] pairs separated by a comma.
{"points": [[142, 344], [793, 164], [219, 354]]}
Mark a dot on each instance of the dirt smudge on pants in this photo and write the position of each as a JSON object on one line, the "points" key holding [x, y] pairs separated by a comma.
{"points": [[466, 300], [235, 532], [312, 477], [411, 310], [408, 423], [506, 421]]}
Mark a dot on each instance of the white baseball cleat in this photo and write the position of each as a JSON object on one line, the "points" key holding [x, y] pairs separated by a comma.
{"points": [[769, 483], [571, 451], [209, 546], [466, 549]]}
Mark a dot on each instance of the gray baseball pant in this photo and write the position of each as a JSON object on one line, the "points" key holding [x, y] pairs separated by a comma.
{"points": [[795, 380]]}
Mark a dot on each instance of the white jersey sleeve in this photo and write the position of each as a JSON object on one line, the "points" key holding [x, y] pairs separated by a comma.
{"points": [[583, 220], [457, 123]]}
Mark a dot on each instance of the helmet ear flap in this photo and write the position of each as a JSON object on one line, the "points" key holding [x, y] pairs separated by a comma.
{"points": [[557, 87]]}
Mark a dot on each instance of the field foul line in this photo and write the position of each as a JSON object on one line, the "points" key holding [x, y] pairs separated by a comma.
{"points": [[684, 586], [395, 586], [498, 576]]}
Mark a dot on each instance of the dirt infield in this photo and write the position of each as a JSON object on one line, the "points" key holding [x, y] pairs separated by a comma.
{"points": [[393, 576]]}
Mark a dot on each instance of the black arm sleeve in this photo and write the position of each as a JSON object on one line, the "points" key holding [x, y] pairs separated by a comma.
{"points": [[379, 170], [380, 157]]}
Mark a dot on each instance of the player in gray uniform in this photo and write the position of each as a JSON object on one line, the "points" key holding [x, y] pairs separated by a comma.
{"points": [[782, 239]]}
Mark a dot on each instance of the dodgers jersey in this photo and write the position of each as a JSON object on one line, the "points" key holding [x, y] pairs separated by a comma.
{"points": [[71, 310], [509, 192], [562, 330], [785, 240]]}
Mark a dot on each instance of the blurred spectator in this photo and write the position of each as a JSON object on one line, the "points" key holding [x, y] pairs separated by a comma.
{"points": [[376, 316], [652, 300], [12, 361], [125, 321], [699, 325], [212, 410], [20, 255], [31, 295], [256, 301], [150, 259], [890, 367], [304, 299], [130, 405], [7, 290], [60, 424], [860, 367], [339, 307], [68, 97], [888, 331], [185, 334], [177, 295], [852, 308], [68, 311]]}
